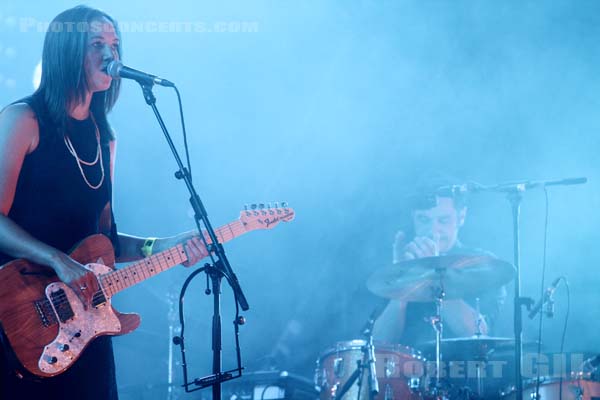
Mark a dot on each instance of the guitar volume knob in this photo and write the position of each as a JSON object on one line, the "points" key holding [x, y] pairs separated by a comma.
{"points": [[52, 360]]}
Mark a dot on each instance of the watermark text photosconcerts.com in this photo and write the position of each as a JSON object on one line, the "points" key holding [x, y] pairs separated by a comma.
{"points": [[148, 26]]}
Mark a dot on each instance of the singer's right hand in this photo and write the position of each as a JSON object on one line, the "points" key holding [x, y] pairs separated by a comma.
{"points": [[77, 276]]}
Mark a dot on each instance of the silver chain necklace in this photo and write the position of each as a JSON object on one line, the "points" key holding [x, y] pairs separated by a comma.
{"points": [[88, 163]]}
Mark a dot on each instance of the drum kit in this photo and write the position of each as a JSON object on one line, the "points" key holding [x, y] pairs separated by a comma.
{"points": [[359, 369]]}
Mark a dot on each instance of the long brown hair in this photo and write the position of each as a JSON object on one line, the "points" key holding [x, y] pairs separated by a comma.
{"points": [[63, 73]]}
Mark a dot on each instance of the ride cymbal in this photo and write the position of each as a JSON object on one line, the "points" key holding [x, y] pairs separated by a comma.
{"points": [[459, 276]]}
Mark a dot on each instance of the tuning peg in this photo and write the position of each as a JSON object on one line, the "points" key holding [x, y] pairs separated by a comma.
{"points": [[261, 206], [253, 206], [284, 204], [245, 207]]}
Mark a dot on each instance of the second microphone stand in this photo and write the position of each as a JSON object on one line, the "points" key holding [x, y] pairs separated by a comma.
{"points": [[514, 191], [221, 266]]}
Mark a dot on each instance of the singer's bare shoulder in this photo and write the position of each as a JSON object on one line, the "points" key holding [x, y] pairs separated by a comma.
{"points": [[19, 136], [19, 129]]}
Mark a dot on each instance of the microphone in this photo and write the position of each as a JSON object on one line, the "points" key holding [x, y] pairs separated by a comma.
{"points": [[117, 70], [568, 181], [546, 298], [521, 186], [591, 364]]}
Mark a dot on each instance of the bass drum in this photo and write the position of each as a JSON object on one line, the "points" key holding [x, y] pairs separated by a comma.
{"points": [[572, 389], [400, 371]]}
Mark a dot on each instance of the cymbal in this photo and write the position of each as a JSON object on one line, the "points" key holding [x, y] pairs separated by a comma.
{"points": [[460, 276], [465, 348], [508, 349]]}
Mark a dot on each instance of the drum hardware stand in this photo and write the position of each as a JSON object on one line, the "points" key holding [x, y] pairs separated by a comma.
{"points": [[481, 361], [481, 356], [438, 325]]}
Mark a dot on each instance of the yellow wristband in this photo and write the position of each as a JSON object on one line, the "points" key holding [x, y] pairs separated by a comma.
{"points": [[148, 245]]}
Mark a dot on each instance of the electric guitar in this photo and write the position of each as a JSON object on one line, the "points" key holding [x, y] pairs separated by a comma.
{"points": [[46, 323]]}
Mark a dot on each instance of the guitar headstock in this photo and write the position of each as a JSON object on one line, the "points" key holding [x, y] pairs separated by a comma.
{"points": [[265, 216]]}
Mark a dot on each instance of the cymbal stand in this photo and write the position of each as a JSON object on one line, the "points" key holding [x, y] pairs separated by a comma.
{"points": [[479, 321], [481, 355], [438, 326]]}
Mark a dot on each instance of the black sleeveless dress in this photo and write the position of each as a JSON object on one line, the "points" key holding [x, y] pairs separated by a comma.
{"points": [[55, 205]]}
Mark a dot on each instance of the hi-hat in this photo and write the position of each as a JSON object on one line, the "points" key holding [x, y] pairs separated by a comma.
{"points": [[459, 276]]}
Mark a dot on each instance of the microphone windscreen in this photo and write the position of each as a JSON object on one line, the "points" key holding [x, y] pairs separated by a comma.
{"points": [[113, 68]]}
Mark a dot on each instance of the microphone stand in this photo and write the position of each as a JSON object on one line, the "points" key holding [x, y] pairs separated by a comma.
{"points": [[368, 360], [369, 353], [515, 197], [220, 267], [515, 192]]}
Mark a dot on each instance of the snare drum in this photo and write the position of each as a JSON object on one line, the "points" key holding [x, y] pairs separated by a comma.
{"points": [[572, 389], [400, 371]]}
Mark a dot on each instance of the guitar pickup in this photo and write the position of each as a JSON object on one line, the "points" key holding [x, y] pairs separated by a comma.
{"points": [[45, 312], [61, 305], [99, 299]]}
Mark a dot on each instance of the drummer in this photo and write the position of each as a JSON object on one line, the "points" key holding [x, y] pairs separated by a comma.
{"points": [[434, 222]]}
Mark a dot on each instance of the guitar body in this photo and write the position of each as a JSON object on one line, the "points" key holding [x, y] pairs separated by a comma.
{"points": [[44, 320]]}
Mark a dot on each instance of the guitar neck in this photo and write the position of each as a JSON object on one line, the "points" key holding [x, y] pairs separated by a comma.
{"points": [[137, 272]]}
